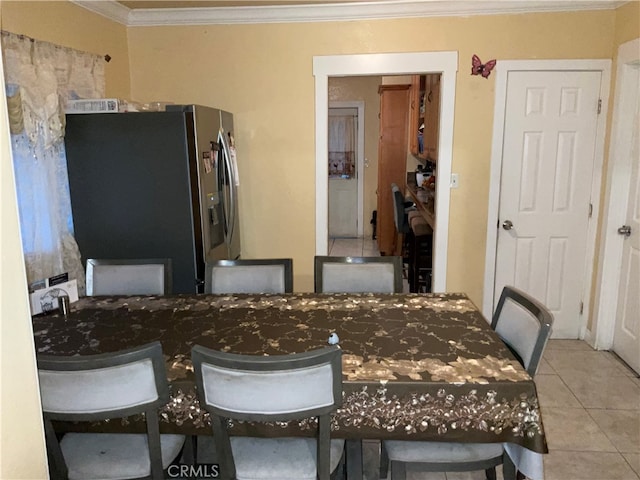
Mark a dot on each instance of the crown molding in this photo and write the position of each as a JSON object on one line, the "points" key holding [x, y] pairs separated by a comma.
{"points": [[333, 12], [107, 8]]}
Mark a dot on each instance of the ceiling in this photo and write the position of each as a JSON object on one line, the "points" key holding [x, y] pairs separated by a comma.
{"points": [[210, 12]]}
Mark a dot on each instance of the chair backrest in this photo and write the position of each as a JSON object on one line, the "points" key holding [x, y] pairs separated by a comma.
{"points": [[272, 275], [269, 389], [400, 219], [358, 274], [145, 276], [524, 324], [98, 387]]}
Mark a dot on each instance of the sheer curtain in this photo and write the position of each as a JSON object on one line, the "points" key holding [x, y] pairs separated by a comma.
{"points": [[39, 79], [342, 145]]}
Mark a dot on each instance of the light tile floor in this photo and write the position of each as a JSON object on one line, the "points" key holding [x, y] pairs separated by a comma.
{"points": [[590, 403], [353, 247]]}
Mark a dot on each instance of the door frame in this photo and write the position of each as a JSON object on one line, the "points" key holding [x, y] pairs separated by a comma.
{"points": [[616, 197], [445, 63], [503, 68], [359, 104]]}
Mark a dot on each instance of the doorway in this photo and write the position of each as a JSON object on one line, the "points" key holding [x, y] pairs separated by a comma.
{"points": [[445, 63], [547, 157], [346, 169]]}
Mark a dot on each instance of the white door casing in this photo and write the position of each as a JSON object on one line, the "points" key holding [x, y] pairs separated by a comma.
{"points": [[445, 63], [545, 177], [617, 301], [346, 196]]}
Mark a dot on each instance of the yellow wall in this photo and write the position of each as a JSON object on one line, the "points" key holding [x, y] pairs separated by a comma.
{"points": [[263, 73], [22, 452], [343, 89], [63, 23], [627, 26]]}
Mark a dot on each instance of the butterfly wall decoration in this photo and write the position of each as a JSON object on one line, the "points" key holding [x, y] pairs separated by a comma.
{"points": [[478, 68]]}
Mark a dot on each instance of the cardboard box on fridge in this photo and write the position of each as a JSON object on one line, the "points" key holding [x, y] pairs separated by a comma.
{"points": [[46, 299]]}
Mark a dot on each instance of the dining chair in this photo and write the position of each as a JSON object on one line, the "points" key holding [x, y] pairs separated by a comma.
{"points": [[401, 219], [139, 276], [276, 388], [334, 274], [401, 210], [100, 387], [272, 275], [420, 253], [524, 325]]}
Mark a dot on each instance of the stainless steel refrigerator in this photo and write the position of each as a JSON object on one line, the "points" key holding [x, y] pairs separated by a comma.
{"points": [[155, 184]]}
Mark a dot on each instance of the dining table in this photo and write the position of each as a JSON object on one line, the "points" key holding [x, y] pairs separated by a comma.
{"points": [[415, 366]]}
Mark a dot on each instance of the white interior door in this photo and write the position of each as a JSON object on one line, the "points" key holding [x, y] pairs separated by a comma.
{"points": [[343, 173], [548, 154], [343, 204], [626, 338]]}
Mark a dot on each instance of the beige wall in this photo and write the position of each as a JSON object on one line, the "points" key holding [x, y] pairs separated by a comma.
{"points": [[627, 26], [263, 73], [63, 23], [344, 89], [22, 453]]}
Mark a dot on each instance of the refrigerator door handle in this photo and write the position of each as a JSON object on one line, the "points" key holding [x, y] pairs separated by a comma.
{"points": [[232, 185]]}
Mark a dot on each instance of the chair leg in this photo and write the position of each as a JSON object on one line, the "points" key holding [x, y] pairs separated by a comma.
{"points": [[508, 468], [398, 471], [188, 456], [384, 461], [490, 473], [354, 458], [340, 473]]}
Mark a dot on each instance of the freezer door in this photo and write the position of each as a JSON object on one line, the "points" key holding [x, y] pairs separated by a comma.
{"points": [[207, 150], [228, 183]]}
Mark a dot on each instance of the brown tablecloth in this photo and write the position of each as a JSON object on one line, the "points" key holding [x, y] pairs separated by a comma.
{"points": [[415, 366]]}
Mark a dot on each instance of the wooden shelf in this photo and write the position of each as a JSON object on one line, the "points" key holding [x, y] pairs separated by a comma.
{"points": [[416, 114], [432, 117], [424, 109]]}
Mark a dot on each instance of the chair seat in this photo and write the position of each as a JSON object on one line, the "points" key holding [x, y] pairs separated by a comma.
{"points": [[420, 227], [441, 452], [280, 458], [114, 456]]}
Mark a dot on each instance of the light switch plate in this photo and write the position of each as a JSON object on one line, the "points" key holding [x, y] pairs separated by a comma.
{"points": [[455, 180]]}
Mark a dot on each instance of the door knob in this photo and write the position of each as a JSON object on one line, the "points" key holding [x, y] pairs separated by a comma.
{"points": [[625, 230], [507, 224]]}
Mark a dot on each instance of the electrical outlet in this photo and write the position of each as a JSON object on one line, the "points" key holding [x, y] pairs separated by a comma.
{"points": [[455, 180]]}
